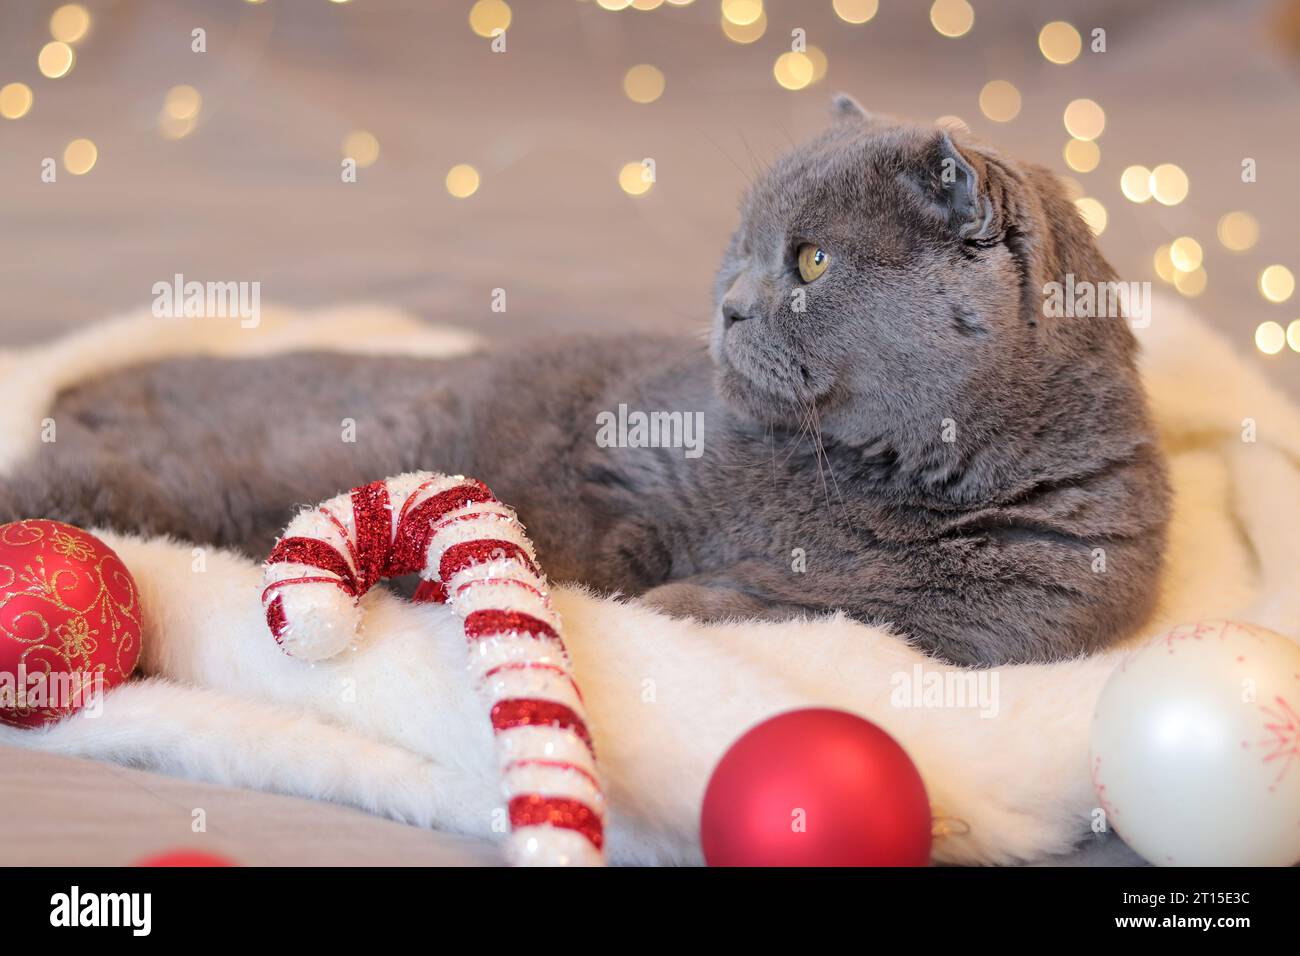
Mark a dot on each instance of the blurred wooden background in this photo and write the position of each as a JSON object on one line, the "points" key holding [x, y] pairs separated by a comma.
{"points": [[252, 191]]}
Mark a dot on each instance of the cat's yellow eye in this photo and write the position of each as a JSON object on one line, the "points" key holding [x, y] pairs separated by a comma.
{"points": [[813, 261]]}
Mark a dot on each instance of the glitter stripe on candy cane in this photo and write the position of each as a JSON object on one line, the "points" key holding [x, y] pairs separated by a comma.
{"points": [[471, 551], [488, 528], [523, 777], [536, 683]]}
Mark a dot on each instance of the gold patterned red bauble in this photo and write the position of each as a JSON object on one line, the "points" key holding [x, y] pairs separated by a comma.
{"points": [[69, 621]]}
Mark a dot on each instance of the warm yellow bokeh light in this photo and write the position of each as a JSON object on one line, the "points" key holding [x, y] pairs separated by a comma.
{"points": [[1135, 183], [79, 156], [793, 70], [856, 11], [742, 12], [1093, 212], [1084, 119], [1082, 155], [182, 102], [1191, 284], [1276, 283], [635, 179], [1238, 231], [1000, 101], [821, 63], [746, 34], [951, 122], [489, 15], [15, 100], [614, 5], [1270, 338], [1164, 264], [1293, 335], [952, 18], [55, 59], [1186, 254], [361, 147], [1168, 184], [643, 83], [647, 4], [171, 127], [462, 180], [1060, 42], [69, 23]]}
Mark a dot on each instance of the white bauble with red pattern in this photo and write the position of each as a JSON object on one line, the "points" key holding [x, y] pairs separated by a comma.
{"points": [[1196, 747]]}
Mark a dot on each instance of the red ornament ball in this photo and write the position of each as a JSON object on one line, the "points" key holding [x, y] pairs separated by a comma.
{"points": [[184, 858], [816, 787], [69, 621]]}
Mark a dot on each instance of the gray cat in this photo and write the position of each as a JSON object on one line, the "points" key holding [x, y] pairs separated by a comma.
{"points": [[892, 426]]}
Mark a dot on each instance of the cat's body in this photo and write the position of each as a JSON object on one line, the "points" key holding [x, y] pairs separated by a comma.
{"points": [[916, 446]]}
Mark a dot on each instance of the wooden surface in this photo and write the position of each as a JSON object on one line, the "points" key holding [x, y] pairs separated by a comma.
{"points": [[62, 811]]}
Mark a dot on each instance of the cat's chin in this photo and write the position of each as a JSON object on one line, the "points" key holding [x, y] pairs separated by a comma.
{"points": [[754, 401]]}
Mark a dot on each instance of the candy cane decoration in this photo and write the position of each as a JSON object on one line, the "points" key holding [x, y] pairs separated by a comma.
{"points": [[472, 553]]}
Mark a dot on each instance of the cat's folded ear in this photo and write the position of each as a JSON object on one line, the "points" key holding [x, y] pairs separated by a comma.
{"points": [[966, 187], [844, 107]]}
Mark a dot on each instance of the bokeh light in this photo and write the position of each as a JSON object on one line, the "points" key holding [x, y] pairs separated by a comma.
{"points": [[488, 15], [1168, 184], [1186, 254], [1093, 212], [1238, 231], [1276, 283], [793, 70], [643, 83], [362, 147], [15, 100], [1135, 184], [1084, 119], [855, 11], [69, 23], [747, 33], [55, 59], [634, 179], [821, 63], [952, 18], [1082, 155], [1191, 284], [462, 180], [1293, 335], [1164, 264], [79, 157], [951, 122], [182, 102], [1060, 42], [742, 12], [1000, 101], [1270, 338]]}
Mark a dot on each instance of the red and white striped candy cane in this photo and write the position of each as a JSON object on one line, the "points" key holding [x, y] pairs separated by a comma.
{"points": [[472, 553]]}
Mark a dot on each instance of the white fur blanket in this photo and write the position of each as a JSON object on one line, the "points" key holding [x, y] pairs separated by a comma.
{"points": [[394, 727]]}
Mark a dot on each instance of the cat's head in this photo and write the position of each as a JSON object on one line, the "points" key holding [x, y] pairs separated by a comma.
{"points": [[887, 271]]}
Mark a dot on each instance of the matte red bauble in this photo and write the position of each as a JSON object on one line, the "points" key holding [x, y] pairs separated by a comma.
{"points": [[69, 620], [816, 787]]}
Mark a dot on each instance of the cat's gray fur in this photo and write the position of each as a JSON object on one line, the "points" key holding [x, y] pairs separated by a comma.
{"points": [[823, 429]]}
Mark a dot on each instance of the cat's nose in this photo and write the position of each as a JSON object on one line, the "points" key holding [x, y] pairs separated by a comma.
{"points": [[732, 313]]}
